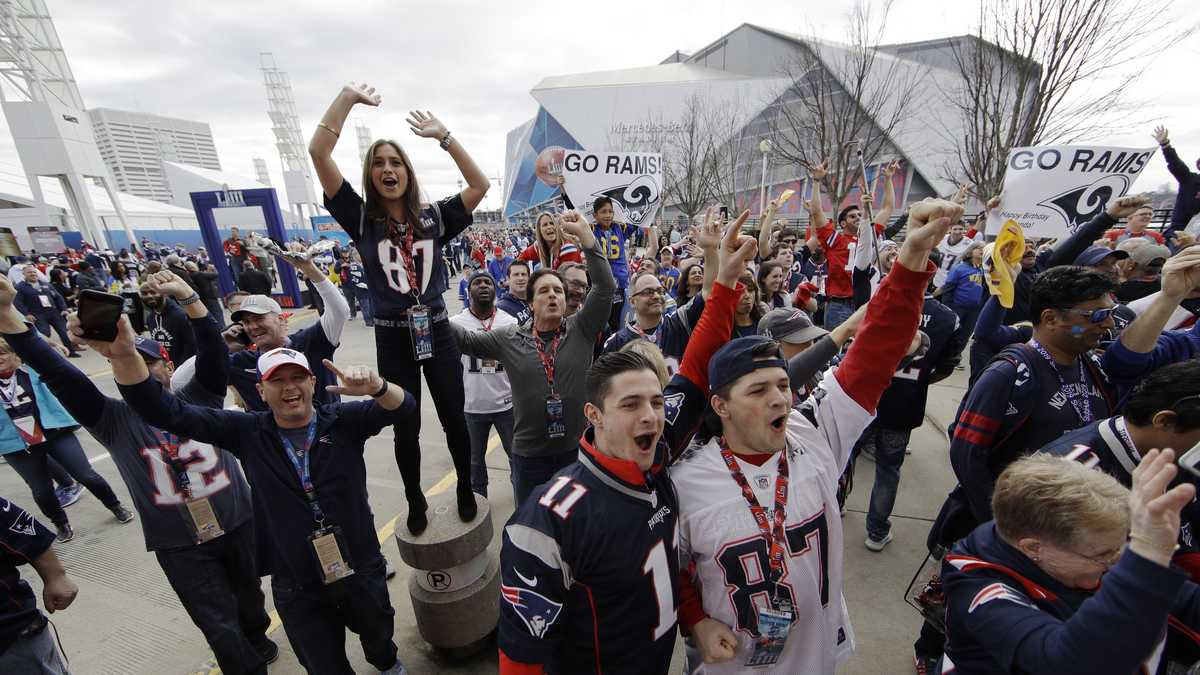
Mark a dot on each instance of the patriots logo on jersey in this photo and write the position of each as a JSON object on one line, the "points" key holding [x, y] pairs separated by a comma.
{"points": [[23, 525], [998, 591], [672, 405], [536, 610]]}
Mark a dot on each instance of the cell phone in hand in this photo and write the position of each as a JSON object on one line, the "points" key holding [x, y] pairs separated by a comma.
{"points": [[242, 336], [99, 313], [1191, 460]]}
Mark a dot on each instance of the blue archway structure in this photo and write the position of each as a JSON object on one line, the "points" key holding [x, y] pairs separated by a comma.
{"points": [[204, 202]]}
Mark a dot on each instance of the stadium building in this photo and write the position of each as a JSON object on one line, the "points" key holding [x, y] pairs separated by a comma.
{"points": [[747, 71]]}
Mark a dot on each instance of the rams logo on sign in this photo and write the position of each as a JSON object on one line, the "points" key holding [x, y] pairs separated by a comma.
{"points": [[633, 202], [1081, 204]]}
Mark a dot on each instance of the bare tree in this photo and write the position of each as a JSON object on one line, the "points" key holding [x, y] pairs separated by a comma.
{"points": [[728, 156], [1039, 72], [840, 99]]}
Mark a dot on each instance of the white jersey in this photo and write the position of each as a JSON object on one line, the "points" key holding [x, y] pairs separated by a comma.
{"points": [[951, 253], [485, 383], [718, 533]]}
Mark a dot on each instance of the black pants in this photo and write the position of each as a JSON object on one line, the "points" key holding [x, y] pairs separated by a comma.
{"points": [[44, 322], [218, 584], [316, 617], [63, 447], [443, 374]]}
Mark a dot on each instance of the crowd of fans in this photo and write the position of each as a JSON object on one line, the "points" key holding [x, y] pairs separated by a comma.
{"points": [[682, 410]]}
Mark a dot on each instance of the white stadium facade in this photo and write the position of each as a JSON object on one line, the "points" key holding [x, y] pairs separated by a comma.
{"points": [[617, 110]]}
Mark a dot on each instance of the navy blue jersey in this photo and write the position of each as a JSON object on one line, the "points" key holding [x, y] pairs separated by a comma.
{"points": [[22, 538], [516, 308], [614, 244], [589, 569], [670, 336], [387, 272], [902, 405]]}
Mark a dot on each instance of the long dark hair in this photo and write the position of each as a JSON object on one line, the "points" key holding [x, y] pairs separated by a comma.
{"points": [[681, 287], [376, 214]]}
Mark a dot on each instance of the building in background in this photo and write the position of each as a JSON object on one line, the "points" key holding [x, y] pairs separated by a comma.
{"points": [[735, 88], [134, 145], [260, 171]]}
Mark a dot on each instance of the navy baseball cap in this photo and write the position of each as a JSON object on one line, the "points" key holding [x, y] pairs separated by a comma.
{"points": [[736, 358], [1092, 255], [151, 348], [480, 273]]}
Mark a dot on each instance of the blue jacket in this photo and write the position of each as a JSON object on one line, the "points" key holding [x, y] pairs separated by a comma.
{"points": [[27, 301], [964, 287], [52, 413], [1005, 615]]}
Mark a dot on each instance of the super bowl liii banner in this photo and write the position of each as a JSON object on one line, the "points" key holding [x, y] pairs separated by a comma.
{"points": [[1052, 190], [633, 180]]}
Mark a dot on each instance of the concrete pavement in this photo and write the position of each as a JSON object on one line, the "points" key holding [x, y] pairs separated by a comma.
{"points": [[127, 620]]}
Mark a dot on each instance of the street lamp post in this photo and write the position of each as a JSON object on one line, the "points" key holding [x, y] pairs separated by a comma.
{"points": [[765, 148]]}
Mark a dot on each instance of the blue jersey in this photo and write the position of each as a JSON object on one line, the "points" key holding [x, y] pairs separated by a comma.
{"points": [[902, 406], [670, 279], [614, 243], [670, 336], [517, 308], [387, 271]]}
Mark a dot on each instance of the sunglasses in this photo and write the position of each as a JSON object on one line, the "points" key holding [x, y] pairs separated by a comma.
{"points": [[1092, 315]]}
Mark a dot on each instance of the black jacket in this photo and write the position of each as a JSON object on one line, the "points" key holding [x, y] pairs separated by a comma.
{"points": [[255, 282]]}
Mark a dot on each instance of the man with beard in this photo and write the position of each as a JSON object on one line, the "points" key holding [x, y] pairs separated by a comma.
{"points": [[516, 300], [167, 323], [488, 392]]}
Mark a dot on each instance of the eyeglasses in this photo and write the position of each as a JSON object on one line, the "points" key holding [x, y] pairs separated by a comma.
{"points": [[1093, 315], [1105, 560], [651, 291]]}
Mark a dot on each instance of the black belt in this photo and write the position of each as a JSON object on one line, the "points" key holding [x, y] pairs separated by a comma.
{"points": [[838, 298], [36, 626], [403, 323]]}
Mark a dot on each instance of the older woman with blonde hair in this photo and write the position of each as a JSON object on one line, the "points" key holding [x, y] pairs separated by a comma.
{"points": [[1024, 592]]}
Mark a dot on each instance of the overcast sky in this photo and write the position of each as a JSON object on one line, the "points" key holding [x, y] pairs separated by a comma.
{"points": [[471, 63]]}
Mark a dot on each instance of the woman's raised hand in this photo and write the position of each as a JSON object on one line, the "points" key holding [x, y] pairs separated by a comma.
{"points": [[362, 93]]}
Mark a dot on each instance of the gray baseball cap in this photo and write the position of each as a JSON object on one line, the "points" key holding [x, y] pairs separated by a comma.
{"points": [[257, 304], [789, 325]]}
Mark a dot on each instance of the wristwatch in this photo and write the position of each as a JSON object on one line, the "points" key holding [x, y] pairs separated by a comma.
{"points": [[445, 142]]}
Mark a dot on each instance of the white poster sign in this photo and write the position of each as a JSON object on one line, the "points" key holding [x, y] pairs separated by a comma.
{"points": [[633, 180], [1052, 190]]}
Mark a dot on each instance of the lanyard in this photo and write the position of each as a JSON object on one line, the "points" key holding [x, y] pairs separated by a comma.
{"points": [[1083, 408], [772, 532], [652, 338], [8, 390], [491, 319], [168, 444], [302, 470], [548, 355], [405, 244]]}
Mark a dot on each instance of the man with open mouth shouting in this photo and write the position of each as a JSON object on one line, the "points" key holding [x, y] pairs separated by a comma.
{"points": [[758, 506], [589, 564]]}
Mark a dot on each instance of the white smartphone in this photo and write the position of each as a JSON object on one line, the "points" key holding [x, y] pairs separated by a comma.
{"points": [[1191, 460]]}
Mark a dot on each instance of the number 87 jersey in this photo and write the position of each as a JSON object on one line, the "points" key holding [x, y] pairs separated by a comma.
{"points": [[589, 572], [726, 555]]}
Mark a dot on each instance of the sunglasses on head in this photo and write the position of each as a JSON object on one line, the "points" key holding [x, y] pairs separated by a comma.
{"points": [[1092, 315]]}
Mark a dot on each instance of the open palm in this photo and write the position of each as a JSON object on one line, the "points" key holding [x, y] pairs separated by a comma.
{"points": [[425, 125]]}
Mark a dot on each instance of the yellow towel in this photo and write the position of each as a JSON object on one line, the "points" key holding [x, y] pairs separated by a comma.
{"points": [[1002, 262]]}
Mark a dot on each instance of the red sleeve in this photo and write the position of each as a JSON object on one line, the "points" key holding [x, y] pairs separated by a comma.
{"points": [[510, 667], [804, 293], [571, 256], [886, 332], [823, 233], [1112, 235], [1156, 236], [879, 228], [691, 611], [530, 254], [711, 331]]}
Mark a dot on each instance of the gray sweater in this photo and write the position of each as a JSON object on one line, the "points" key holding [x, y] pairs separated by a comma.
{"points": [[515, 348]]}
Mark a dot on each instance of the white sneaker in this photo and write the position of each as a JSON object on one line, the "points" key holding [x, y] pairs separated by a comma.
{"points": [[877, 545]]}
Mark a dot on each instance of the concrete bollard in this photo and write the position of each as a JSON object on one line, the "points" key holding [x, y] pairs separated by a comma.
{"points": [[455, 583]]}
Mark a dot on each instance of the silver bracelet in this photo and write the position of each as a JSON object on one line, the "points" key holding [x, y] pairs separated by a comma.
{"points": [[190, 300]]}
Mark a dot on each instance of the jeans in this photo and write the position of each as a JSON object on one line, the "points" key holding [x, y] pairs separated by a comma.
{"points": [[44, 322], [363, 296], [316, 617], [63, 447], [478, 425], [33, 654], [967, 316], [530, 472], [890, 445], [218, 584], [443, 374], [348, 293], [837, 310]]}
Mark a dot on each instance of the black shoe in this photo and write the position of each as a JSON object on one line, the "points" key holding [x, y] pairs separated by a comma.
{"points": [[467, 506], [417, 520], [121, 513], [74, 355], [389, 571], [65, 533], [268, 650]]}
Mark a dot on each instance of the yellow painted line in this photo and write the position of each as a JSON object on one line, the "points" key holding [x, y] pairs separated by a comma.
{"points": [[386, 532]]}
